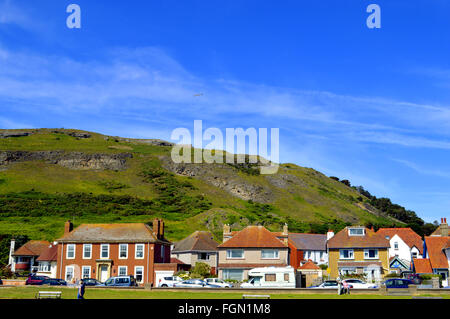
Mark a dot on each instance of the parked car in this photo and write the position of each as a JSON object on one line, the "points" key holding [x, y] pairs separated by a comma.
{"points": [[169, 281], [54, 282], [271, 277], [120, 281], [328, 284], [398, 283], [1, 281], [92, 282], [218, 282], [194, 283], [35, 280], [359, 284]]}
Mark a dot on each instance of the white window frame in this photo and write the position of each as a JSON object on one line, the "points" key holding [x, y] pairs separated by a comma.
{"points": [[84, 251], [73, 273], [341, 255], [122, 267], [396, 245], [136, 251], [82, 272], [231, 250], [101, 251], [356, 228], [74, 251], [126, 251], [277, 255], [366, 253], [135, 273]]}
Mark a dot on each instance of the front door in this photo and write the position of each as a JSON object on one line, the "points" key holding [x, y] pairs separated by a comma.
{"points": [[103, 273]]}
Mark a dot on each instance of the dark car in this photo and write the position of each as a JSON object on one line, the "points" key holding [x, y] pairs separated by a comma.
{"points": [[121, 281], [92, 282], [1, 282], [54, 282], [35, 280], [398, 283]]}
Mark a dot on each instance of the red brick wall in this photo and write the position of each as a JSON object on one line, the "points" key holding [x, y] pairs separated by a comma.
{"points": [[130, 262], [295, 256]]}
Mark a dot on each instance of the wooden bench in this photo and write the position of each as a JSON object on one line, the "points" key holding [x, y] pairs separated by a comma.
{"points": [[255, 296], [48, 295]]}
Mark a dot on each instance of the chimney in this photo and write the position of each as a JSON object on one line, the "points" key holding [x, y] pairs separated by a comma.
{"points": [[285, 234], [330, 234], [444, 227], [161, 228], [285, 229], [12, 248], [68, 227], [226, 232], [156, 227]]}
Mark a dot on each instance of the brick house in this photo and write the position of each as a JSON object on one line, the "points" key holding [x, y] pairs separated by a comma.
{"points": [[252, 247], [25, 258], [105, 250], [358, 250]]}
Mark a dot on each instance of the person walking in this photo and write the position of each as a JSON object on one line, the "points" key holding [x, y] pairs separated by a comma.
{"points": [[346, 288], [81, 289]]}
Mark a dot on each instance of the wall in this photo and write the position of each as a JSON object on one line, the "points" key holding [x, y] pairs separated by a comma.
{"points": [[253, 256], [403, 252]]}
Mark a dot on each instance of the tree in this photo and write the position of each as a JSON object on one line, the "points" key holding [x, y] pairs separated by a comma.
{"points": [[201, 269], [346, 182]]}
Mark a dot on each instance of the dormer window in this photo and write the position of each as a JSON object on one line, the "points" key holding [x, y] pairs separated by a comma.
{"points": [[356, 232]]}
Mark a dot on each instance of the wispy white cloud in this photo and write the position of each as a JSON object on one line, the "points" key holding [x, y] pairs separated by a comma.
{"points": [[423, 170]]}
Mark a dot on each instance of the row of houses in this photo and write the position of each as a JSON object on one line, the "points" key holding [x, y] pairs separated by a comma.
{"points": [[104, 250]]}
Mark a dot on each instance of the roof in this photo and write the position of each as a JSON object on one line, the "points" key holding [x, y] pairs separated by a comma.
{"points": [[308, 241], [253, 237], [435, 246], [49, 254], [111, 233], [176, 261], [369, 240], [32, 248], [403, 262], [438, 231], [409, 236], [422, 266], [197, 241], [309, 265]]}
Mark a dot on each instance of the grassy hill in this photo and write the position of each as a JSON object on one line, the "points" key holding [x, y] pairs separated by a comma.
{"points": [[52, 175]]}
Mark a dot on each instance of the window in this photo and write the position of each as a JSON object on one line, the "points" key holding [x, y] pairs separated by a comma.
{"points": [[44, 266], [356, 231], [371, 254], [87, 251], [86, 271], [122, 270], [123, 251], [321, 255], [414, 255], [234, 274], [163, 251], [346, 254], [139, 274], [70, 251], [286, 277], [235, 253], [271, 277], [104, 251], [396, 245], [203, 256], [69, 273], [269, 254], [139, 251]]}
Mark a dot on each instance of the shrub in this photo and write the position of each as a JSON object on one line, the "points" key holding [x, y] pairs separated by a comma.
{"points": [[201, 269]]}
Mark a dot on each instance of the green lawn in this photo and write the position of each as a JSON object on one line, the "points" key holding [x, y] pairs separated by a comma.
{"points": [[71, 293]]}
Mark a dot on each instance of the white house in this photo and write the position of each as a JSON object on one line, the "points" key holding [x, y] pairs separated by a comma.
{"points": [[405, 243]]}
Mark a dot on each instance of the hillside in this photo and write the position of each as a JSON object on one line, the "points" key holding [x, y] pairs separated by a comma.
{"points": [[50, 175]]}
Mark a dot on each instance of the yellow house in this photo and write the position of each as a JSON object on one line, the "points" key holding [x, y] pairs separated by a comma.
{"points": [[358, 250]]}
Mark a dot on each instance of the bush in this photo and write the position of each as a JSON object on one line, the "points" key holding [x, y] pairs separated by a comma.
{"points": [[201, 269]]}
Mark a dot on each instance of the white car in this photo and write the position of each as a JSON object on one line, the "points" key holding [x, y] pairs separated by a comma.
{"points": [[359, 284], [219, 282], [166, 282], [329, 284]]}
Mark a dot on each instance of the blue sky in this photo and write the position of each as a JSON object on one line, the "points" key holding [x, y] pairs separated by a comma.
{"points": [[372, 106]]}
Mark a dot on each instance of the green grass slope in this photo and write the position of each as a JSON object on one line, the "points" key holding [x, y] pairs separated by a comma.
{"points": [[36, 197]]}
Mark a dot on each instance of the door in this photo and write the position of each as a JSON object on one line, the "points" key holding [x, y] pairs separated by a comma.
{"points": [[103, 273]]}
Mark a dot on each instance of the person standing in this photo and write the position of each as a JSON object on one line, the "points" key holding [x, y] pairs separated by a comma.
{"points": [[81, 289]]}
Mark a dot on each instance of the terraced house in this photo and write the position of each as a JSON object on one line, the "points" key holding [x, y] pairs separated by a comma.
{"points": [[358, 250], [252, 247], [104, 250]]}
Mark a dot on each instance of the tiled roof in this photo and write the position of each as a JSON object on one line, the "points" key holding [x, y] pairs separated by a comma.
{"points": [[308, 241], [49, 254], [409, 236], [435, 246], [111, 233], [250, 266], [176, 261], [309, 265], [197, 241], [32, 248], [253, 237], [369, 240], [422, 266]]}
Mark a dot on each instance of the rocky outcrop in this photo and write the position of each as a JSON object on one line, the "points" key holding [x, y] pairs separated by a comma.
{"points": [[222, 176], [73, 134], [7, 134], [72, 160]]}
